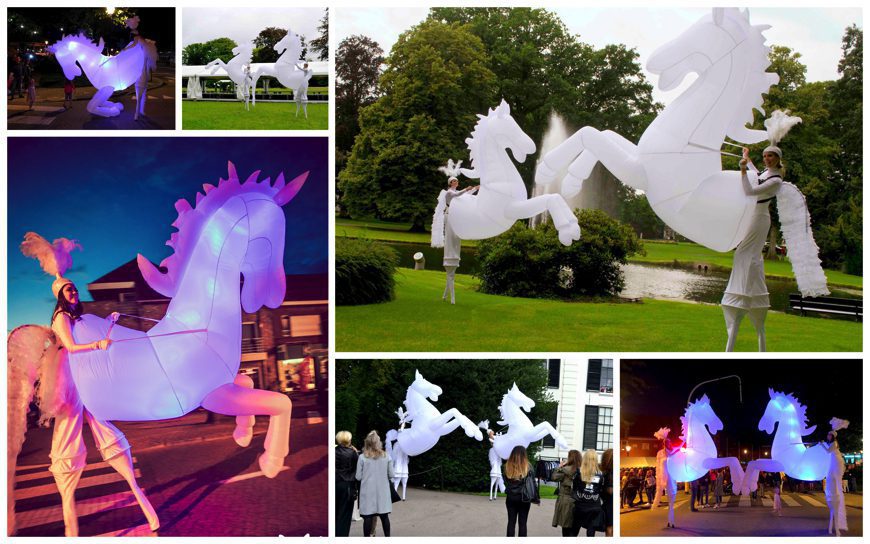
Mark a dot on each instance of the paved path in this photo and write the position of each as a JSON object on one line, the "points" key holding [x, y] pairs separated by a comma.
{"points": [[802, 515], [436, 513]]}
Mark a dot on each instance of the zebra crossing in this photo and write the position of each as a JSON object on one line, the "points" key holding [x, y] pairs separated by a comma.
{"points": [[102, 494], [789, 500]]}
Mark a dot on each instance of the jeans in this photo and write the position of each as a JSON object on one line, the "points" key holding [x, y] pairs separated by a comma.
{"points": [[517, 511]]}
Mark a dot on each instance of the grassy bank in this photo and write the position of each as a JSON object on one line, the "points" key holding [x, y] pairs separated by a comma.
{"points": [[684, 253], [419, 321], [263, 116]]}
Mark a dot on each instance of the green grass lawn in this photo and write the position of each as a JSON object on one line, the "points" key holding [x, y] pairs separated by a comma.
{"points": [[656, 252], [546, 492], [265, 116], [417, 320]]}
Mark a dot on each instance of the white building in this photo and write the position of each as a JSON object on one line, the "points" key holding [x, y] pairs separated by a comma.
{"points": [[584, 391]]}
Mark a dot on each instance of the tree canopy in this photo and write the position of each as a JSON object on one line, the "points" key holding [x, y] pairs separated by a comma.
{"points": [[202, 53], [357, 69], [320, 44]]}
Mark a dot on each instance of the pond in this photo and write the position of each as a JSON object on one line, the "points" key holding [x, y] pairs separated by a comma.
{"points": [[663, 282]]}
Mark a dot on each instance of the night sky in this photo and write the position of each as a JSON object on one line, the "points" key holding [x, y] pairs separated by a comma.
{"points": [[654, 393], [116, 197]]}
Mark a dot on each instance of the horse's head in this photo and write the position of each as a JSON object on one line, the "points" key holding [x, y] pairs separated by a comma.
{"points": [[244, 49], [74, 49], [425, 388], [787, 410], [702, 411], [292, 42], [498, 125], [519, 398], [239, 221]]}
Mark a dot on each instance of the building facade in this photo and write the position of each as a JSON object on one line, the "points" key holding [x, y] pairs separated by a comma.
{"points": [[283, 349]]}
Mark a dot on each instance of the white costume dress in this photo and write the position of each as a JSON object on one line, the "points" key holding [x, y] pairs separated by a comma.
{"points": [[661, 477], [834, 491], [746, 292]]}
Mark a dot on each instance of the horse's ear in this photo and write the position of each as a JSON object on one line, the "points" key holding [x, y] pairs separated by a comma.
{"points": [[417, 375], [101, 45], [770, 392], [718, 16]]}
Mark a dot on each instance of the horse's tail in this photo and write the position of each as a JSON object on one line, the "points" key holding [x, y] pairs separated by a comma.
{"points": [[28, 349], [438, 220], [802, 249]]}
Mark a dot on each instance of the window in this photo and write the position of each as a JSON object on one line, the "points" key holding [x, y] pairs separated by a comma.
{"points": [[598, 428], [599, 378], [549, 441], [553, 367], [285, 325], [305, 325]]}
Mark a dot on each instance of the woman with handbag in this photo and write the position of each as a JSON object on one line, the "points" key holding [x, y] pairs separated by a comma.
{"points": [[588, 487], [346, 458], [607, 490], [563, 516], [375, 472], [521, 489]]}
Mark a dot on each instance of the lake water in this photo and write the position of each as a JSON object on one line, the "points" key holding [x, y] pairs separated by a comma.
{"points": [[662, 282]]}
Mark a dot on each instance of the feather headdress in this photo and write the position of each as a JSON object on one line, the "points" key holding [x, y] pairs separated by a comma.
{"points": [[662, 433], [778, 125], [452, 170], [53, 257], [837, 424]]}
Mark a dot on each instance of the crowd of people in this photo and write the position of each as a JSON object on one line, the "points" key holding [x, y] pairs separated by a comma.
{"points": [[584, 494], [20, 79]]}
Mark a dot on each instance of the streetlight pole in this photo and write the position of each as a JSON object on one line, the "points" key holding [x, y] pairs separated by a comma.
{"points": [[739, 386]]}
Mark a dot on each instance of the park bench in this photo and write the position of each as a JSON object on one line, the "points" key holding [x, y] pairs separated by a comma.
{"points": [[827, 305]]}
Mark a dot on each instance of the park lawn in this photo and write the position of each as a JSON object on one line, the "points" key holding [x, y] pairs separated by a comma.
{"points": [[263, 116], [685, 253], [417, 320]]}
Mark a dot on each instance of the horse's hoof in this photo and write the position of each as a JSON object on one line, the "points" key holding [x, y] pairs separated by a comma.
{"points": [[569, 234], [243, 436], [271, 465], [571, 186], [544, 175]]}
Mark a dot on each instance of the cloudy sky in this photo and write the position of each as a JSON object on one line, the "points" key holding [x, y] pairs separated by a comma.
{"points": [[815, 33], [243, 24]]}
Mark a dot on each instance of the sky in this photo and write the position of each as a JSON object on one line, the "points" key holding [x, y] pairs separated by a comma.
{"points": [[815, 33], [828, 389], [116, 197], [243, 24]]}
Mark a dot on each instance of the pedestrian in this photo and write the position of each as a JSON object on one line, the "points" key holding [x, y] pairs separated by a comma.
{"points": [[695, 497], [704, 491], [588, 487], [607, 491], [31, 93], [719, 488], [58, 398], [650, 486], [68, 89], [641, 486], [776, 484], [563, 514], [346, 458], [374, 471], [623, 488], [521, 489]]}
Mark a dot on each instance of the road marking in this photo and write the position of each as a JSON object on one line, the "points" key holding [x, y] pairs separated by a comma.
{"points": [[242, 477], [91, 481], [91, 466], [314, 417], [789, 500], [811, 501], [30, 120], [767, 503], [744, 501], [141, 530], [85, 507], [166, 97], [48, 109]]}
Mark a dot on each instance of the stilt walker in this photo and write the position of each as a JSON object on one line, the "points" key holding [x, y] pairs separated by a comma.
{"points": [[442, 232]]}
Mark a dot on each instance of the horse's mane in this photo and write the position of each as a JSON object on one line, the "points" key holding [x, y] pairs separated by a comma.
{"points": [[479, 131], [800, 409], [684, 419], [191, 220], [78, 39], [294, 50]]}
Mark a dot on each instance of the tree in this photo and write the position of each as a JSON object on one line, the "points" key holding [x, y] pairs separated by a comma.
{"points": [[357, 68], [435, 81], [202, 53], [264, 44], [368, 393], [636, 211], [320, 44]]}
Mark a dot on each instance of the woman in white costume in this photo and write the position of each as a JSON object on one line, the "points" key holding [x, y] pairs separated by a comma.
{"points": [[442, 233], [833, 490]]}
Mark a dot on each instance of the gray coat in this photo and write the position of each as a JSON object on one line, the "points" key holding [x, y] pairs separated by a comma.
{"points": [[375, 475]]}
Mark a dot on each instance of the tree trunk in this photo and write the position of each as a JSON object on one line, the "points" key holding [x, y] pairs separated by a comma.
{"points": [[771, 242]]}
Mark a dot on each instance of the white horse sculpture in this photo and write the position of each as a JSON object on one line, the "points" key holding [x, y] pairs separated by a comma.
{"points": [[191, 357], [677, 161], [285, 70], [428, 425], [238, 69], [77, 54], [503, 198], [521, 431], [698, 454]]}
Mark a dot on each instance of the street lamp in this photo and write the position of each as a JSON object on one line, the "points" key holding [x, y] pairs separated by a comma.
{"points": [[110, 11]]}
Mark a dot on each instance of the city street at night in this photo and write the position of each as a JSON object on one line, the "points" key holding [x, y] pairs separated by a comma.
{"points": [[200, 482]]}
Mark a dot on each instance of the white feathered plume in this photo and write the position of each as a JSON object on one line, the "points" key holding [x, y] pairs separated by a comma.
{"points": [[53, 257], [778, 125], [451, 170], [662, 433], [837, 424]]}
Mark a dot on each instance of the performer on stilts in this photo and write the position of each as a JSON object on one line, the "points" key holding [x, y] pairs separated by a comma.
{"points": [[833, 487], [442, 233]]}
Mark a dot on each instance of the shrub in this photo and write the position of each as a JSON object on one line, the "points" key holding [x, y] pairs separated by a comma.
{"points": [[526, 262], [364, 272]]}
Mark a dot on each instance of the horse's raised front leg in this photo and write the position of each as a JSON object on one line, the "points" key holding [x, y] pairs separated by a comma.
{"points": [[100, 104], [733, 464], [452, 418], [234, 400], [541, 430], [563, 218], [750, 479]]}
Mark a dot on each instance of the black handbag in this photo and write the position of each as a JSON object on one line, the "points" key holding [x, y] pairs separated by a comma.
{"points": [[530, 492], [394, 495]]}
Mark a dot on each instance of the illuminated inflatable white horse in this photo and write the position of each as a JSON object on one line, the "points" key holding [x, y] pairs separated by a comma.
{"points": [[677, 161], [77, 54], [698, 454], [285, 69], [191, 357], [428, 425], [238, 69]]}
